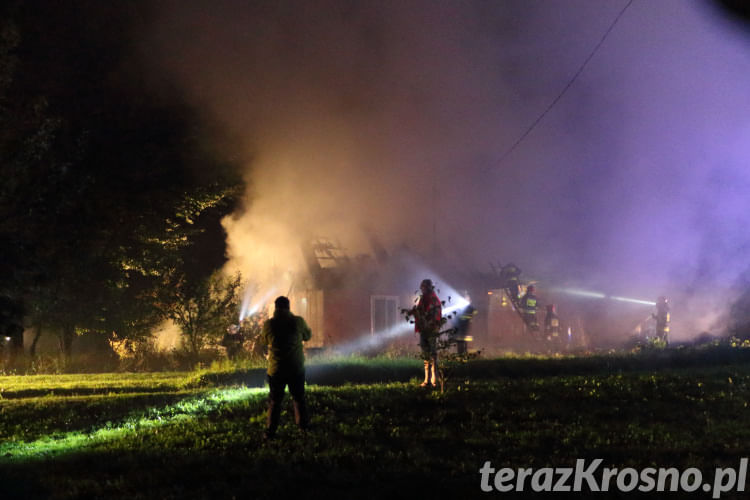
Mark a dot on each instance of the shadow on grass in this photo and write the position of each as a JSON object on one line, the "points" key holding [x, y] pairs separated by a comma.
{"points": [[329, 374], [363, 371]]}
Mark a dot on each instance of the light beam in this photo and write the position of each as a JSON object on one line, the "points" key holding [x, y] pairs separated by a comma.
{"points": [[634, 301], [599, 295], [374, 340], [581, 293], [247, 309]]}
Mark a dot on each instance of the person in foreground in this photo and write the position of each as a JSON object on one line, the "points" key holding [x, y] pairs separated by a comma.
{"points": [[284, 334]]}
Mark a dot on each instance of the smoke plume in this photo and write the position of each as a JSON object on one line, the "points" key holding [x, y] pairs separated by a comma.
{"points": [[390, 118]]}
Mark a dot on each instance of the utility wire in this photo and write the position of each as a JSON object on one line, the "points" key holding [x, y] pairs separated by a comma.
{"points": [[565, 89]]}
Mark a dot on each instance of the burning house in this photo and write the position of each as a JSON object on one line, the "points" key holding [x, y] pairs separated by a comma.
{"points": [[353, 304], [351, 299]]}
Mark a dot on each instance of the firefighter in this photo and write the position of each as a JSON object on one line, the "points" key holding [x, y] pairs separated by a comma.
{"points": [[662, 319], [428, 318], [232, 341], [463, 324], [552, 324], [510, 275], [528, 308]]}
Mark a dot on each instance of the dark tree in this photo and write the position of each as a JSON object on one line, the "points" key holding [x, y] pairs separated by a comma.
{"points": [[111, 185]]}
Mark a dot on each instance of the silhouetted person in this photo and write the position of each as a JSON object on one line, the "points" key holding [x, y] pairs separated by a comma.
{"points": [[510, 276], [232, 341], [462, 328], [284, 334], [662, 319]]}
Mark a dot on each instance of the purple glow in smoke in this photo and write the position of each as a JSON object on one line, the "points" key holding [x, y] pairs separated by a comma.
{"points": [[394, 113]]}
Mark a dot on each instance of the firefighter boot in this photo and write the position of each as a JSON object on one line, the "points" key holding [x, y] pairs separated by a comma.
{"points": [[426, 374], [433, 372]]}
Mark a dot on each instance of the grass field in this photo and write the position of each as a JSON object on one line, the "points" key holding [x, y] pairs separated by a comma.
{"points": [[375, 434]]}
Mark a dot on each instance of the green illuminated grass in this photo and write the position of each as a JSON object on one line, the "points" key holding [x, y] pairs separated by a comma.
{"points": [[134, 423], [81, 384]]}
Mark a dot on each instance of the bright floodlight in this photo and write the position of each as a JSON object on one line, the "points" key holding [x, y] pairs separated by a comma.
{"points": [[247, 309], [374, 340]]}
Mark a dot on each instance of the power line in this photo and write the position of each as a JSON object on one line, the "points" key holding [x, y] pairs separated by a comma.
{"points": [[565, 89]]}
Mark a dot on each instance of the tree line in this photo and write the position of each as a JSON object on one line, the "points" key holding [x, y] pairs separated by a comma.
{"points": [[112, 187]]}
